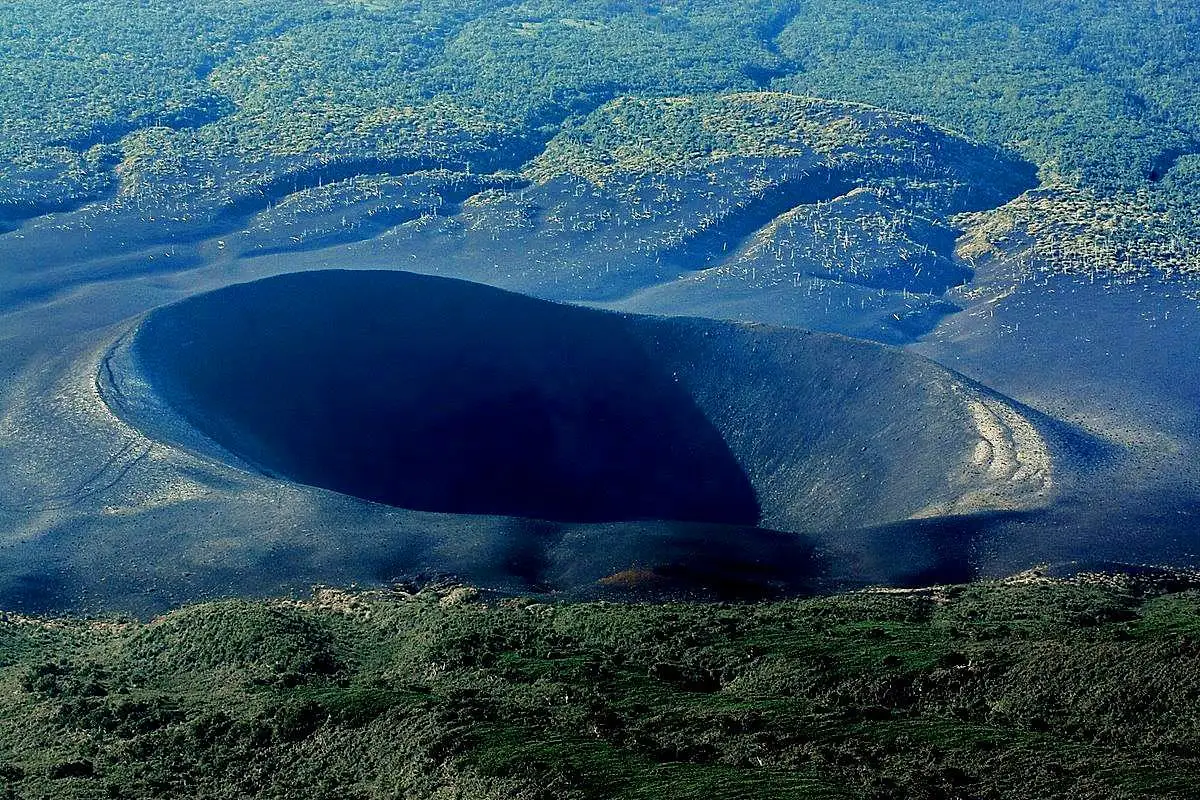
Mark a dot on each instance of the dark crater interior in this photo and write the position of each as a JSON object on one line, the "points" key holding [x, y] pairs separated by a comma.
{"points": [[434, 394], [440, 395]]}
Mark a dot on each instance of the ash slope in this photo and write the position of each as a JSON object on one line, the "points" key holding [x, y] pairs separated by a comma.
{"points": [[440, 395]]}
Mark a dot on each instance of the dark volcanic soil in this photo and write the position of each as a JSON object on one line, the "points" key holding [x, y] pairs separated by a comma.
{"points": [[439, 395]]}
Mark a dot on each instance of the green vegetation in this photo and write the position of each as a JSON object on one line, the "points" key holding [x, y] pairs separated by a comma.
{"points": [[1119, 237], [226, 92], [222, 97], [1088, 688], [637, 138], [1097, 90]]}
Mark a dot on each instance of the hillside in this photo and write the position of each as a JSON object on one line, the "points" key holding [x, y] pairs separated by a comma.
{"points": [[1082, 688]]}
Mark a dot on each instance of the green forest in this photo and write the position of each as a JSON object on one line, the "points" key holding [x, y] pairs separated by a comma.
{"points": [[215, 94], [1088, 688]]}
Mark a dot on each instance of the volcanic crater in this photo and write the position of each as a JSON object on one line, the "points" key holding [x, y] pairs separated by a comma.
{"points": [[441, 395]]}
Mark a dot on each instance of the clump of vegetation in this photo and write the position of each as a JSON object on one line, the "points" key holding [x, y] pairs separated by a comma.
{"points": [[633, 141], [1082, 688], [633, 137], [1119, 237]]}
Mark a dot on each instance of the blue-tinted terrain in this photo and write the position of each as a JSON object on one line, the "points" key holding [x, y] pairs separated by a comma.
{"points": [[883, 306]]}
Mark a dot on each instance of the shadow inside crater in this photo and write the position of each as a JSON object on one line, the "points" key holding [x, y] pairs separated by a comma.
{"points": [[445, 396]]}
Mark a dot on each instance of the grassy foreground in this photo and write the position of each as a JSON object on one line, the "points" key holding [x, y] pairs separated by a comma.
{"points": [[1088, 688]]}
